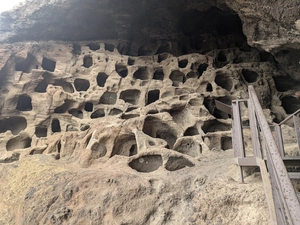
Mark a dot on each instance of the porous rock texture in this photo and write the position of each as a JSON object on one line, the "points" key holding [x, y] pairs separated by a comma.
{"points": [[108, 117]]}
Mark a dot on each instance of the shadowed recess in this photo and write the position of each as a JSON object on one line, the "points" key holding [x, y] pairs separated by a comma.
{"points": [[147, 163]]}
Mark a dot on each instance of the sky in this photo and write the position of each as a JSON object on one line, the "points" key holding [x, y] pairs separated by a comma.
{"points": [[8, 4]]}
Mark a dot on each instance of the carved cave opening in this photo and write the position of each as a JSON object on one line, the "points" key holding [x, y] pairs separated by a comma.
{"points": [[48, 64], [24, 103]]}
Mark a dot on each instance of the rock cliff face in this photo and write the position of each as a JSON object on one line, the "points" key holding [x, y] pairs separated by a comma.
{"points": [[108, 116]]}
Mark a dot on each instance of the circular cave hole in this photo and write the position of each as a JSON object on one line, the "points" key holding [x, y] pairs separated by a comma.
{"points": [[131, 61], [285, 83], [87, 61], [115, 111], [131, 96], [152, 96], [177, 77], [76, 113], [192, 74], [221, 57], [41, 131], [19, 142], [209, 87], [158, 74], [81, 84], [67, 87], [88, 107], [249, 75], [290, 104], [108, 98], [98, 114], [162, 57], [191, 131], [109, 47], [147, 163], [201, 69], [226, 143], [223, 80], [142, 73], [14, 124], [125, 145], [101, 79], [94, 46], [122, 70], [24, 103], [183, 63], [177, 162]]}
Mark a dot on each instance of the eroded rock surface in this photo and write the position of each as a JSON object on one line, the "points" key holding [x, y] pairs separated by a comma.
{"points": [[125, 131]]}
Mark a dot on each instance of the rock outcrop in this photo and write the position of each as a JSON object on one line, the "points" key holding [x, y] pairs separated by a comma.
{"points": [[108, 116]]}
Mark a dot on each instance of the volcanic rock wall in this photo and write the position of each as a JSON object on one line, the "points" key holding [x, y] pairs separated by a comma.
{"points": [[125, 131]]}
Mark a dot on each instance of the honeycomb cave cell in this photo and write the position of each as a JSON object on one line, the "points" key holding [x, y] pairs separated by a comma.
{"points": [[87, 61], [19, 142], [48, 64], [24, 103], [41, 87], [223, 80], [131, 96], [290, 104], [28, 64], [189, 147], [41, 131], [142, 74], [94, 46], [156, 128], [98, 113], [158, 74], [64, 107], [101, 79], [284, 83], [130, 61], [249, 75], [221, 60], [164, 47], [201, 69], [153, 96], [108, 98], [115, 111], [125, 145], [214, 126], [76, 49], [191, 131], [14, 124], [88, 107], [122, 70], [76, 113], [192, 74], [67, 87], [81, 84], [98, 150], [177, 162], [162, 57], [209, 87], [177, 77], [226, 143], [210, 105], [55, 126], [183, 63], [147, 163], [109, 47]]}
